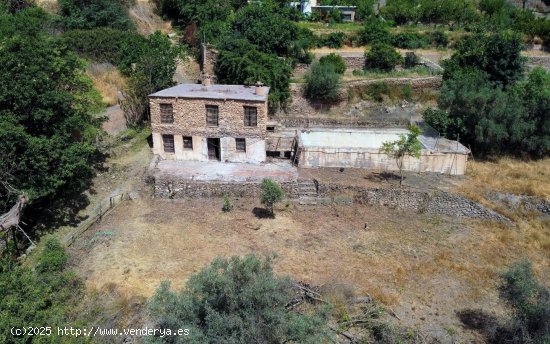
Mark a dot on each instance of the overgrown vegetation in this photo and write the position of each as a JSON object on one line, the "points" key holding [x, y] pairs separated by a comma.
{"points": [[382, 57], [237, 300], [41, 296], [48, 127], [490, 103], [89, 14]]}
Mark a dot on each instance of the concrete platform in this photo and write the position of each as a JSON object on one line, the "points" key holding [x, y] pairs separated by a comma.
{"points": [[225, 172]]}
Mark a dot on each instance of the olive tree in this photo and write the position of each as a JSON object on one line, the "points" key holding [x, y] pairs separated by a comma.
{"points": [[271, 193]]}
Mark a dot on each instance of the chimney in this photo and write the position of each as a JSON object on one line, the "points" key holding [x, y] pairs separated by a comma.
{"points": [[260, 88]]}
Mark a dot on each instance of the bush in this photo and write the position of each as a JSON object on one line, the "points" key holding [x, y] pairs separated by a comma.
{"points": [[237, 300], [406, 40], [382, 57], [377, 90], [530, 301], [45, 296], [336, 61], [439, 39], [271, 193], [322, 82], [89, 14], [227, 204], [411, 60], [374, 31], [121, 48], [332, 40]]}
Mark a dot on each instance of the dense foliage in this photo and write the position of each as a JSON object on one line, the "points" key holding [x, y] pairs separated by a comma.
{"points": [[374, 31], [89, 14], [336, 61], [238, 300], [498, 55], [322, 82], [239, 62], [382, 57], [47, 126], [39, 297], [489, 103]]}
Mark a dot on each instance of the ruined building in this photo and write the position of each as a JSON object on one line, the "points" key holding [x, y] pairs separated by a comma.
{"points": [[203, 122]]}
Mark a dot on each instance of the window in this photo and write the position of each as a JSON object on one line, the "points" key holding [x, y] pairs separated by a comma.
{"points": [[270, 129], [240, 145], [250, 116], [187, 142], [346, 17], [212, 115], [166, 113], [168, 143]]}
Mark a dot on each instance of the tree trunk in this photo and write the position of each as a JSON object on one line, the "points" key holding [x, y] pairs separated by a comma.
{"points": [[11, 218]]}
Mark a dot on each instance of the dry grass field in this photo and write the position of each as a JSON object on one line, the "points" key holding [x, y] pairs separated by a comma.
{"points": [[107, 80]]}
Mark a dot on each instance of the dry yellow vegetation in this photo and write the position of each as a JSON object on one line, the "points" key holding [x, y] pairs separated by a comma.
{"points": [[508, 175], [107, 80]]}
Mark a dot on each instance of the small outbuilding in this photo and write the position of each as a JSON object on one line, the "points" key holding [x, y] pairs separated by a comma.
{"points": [[360, 148]]}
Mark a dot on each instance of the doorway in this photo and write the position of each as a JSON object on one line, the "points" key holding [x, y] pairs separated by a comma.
{"points": [[213, 145]]}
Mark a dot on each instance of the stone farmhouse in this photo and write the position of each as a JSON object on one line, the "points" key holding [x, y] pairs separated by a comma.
{"points": [[201, 122]]}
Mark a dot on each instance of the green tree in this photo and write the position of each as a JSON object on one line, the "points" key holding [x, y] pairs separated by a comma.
{"points": [[406, 146], [374, 31], [239, 62], [154, 70], [47, 123], [264, 27], [322, 82], [237, 300], [270, 194], [336, 61], [484, 115], [498, 55], [382, 57], [89, 14]]}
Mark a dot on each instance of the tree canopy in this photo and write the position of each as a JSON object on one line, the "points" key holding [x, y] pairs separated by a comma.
{"points": [[237, 300], [47, 122]]}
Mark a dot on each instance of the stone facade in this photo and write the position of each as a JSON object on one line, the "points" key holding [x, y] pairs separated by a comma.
{"points": [[189, 120]]}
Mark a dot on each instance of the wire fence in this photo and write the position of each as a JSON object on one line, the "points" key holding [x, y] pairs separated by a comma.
{"points": [[97, 213]]}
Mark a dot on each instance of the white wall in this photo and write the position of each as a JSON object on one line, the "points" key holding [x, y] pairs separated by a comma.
{"points": [[255, 149]]}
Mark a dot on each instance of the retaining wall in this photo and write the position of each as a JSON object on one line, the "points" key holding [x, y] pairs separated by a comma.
{"points": [[432, 202]]}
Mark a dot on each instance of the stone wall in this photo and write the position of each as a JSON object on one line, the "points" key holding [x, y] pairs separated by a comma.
{"points": [[208, 59], [542, 61], [190, 118], [170, 188], [300, 106], [432, 202]]}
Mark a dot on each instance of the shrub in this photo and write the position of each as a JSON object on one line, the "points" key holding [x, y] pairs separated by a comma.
{"points": [[407, 92], [336, 61], [382, 57], [411, 60], [53, 258], [439, 38], [237, 300], [530, 301], [333, 40], [227, 204], [374, 31], [377, 90], [271, 193], [406, 40], [89, 14], [322, 82]]}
